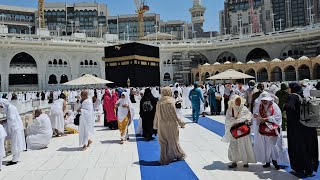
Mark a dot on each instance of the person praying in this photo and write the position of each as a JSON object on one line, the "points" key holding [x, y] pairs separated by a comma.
{"points": [[39, 133]]}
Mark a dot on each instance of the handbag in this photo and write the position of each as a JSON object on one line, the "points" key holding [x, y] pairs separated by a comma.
{"points": [[77, 120], [240, 130], [272, 129]]}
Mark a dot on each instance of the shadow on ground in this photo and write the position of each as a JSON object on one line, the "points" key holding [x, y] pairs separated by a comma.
{"points": [[262, 173]]}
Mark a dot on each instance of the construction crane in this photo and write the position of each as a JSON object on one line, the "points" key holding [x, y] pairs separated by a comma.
{"points": [[41, 13], [254, 23], [141, 9]]}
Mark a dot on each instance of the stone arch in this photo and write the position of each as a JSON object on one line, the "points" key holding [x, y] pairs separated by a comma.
{"points": [[65, 63], [290, 73], [63, 79], [197, 58], [86, 62], [81, 63], [262, 75], [23, 70], [52, 79], [206, 75], [50, 62], [166, 77], [251, 72], [316, 71], [90, 62], [197, 77], [226, 56], [257, 54], [276, 74], [303, 72], [60, 62], [95, 63]]}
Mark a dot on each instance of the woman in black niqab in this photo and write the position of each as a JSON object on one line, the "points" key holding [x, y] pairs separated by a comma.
{"points": [[302, 140]]}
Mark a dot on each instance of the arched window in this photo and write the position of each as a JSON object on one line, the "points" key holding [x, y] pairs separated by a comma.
{"points": [[95, 63], [91, 62], [166, 77], [63, 79], [81, 63], [60, 61], [86, 62], [55, 62], [50, 63], [65, 63], [52, 79]]}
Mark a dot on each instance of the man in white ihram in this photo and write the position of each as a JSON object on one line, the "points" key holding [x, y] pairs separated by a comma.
{"points": [[14, 130], [86, 127], [39, 133]]}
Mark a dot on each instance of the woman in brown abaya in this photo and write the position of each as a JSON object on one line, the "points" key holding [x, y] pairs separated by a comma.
{"points": [[167, 123]]}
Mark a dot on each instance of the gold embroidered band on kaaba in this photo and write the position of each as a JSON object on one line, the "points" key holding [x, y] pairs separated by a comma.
{"points": [[132, 57]]}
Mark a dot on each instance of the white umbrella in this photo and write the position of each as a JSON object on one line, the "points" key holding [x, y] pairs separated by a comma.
{"points": [[231, 74], [87, 80]]}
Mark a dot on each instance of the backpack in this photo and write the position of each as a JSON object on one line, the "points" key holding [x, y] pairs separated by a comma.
{"points": [[147, 106], [309, 111]]}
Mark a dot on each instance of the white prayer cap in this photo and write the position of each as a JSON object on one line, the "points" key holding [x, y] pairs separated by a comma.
{"points": [[265, 96]]}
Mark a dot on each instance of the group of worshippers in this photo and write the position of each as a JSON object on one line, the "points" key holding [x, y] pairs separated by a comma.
{"points": [[261, 112]]}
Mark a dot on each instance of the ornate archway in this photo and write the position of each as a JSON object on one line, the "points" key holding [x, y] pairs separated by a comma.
{"points": [[303, 72], [63, 79], [52, 79], [23, 71], [166, 77], [251, 72], [276, 74], [316, 71], [226, 56], [262, 75], [290, 73], [257, 54]]}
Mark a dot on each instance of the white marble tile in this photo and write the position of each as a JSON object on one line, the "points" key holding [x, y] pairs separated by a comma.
{"points": [[55, 174], [95, 173], [75, 174], [115, 173], [35, 175], [16, 175]]}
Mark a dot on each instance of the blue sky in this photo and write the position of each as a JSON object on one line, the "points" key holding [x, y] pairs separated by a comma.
{"points": [[168, 9]]}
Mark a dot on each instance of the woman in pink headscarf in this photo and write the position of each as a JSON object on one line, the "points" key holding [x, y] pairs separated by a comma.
{"points": [[109, 106]]}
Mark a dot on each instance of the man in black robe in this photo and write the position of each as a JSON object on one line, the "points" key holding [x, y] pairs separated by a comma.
{"points": [[148, 105], [302, 140]]}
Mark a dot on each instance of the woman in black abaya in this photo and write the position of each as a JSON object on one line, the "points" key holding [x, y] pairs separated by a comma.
{"points": [[148, 105], [302, 140]]}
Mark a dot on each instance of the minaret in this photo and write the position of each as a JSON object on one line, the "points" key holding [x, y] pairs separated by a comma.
{"points": [[197, 16]]}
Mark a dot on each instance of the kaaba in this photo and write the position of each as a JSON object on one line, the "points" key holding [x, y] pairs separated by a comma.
{"points": [[135, 61]]}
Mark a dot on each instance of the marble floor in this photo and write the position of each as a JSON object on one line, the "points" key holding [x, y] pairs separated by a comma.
{"points": [[207, 157]]}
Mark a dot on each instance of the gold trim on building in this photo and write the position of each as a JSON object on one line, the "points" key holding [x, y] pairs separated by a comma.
{"points": [[132, 57]]}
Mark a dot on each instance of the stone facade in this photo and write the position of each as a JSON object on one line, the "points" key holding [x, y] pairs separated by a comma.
{"points": [[276, 70], [43, 56]]}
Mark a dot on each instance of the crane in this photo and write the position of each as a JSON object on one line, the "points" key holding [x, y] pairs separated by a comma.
{"points": [[41, 13], [254, 23], [141, 9]]}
